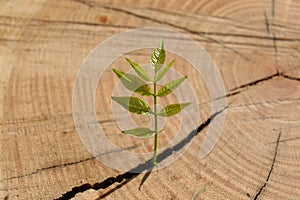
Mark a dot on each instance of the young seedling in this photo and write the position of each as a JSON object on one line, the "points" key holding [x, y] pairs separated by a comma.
{"points": [[139, 84]]}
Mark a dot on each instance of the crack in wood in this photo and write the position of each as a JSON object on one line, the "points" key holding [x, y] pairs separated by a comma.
{"points": [[291, 77], [117, 187], [50, 167], [267, 22], [271, 169], [274, 38], [241, 88], [256, 81], [66, 164], [50, 118], [128, 176], [274, 34]]}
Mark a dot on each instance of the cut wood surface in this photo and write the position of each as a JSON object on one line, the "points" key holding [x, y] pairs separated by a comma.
{"points": [[254, 44]]}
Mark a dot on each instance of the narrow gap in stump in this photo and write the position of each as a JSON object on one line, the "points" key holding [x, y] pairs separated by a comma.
{"points": [[271, 169], [237, 90], [291, 78], [257, 81]]}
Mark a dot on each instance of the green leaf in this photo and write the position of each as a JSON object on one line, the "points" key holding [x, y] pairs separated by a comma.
{"points": [[169, 87], [164, 70], [144, 90], [133, 83], [142, 132], [133, 104], [139, 70], [173, 109], [158, 57]]}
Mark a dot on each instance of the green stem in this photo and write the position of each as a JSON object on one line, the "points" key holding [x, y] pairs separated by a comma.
{"points": [[155, 122]]}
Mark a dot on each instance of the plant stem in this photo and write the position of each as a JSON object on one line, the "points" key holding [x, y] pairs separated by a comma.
{"points": [[155, 122]]}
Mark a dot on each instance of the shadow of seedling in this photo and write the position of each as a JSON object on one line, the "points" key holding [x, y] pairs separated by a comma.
{"points": [[126, 177]]}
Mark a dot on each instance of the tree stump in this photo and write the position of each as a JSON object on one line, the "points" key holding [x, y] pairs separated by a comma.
{"points": [[254, 44]]}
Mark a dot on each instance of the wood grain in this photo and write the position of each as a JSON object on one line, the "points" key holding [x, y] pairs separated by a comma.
{"points": [[255, 45]]}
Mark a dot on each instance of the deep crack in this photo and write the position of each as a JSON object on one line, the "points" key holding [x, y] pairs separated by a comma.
{"points": [[290, 77], [272, 167], [239, 89], [256, 81]]}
